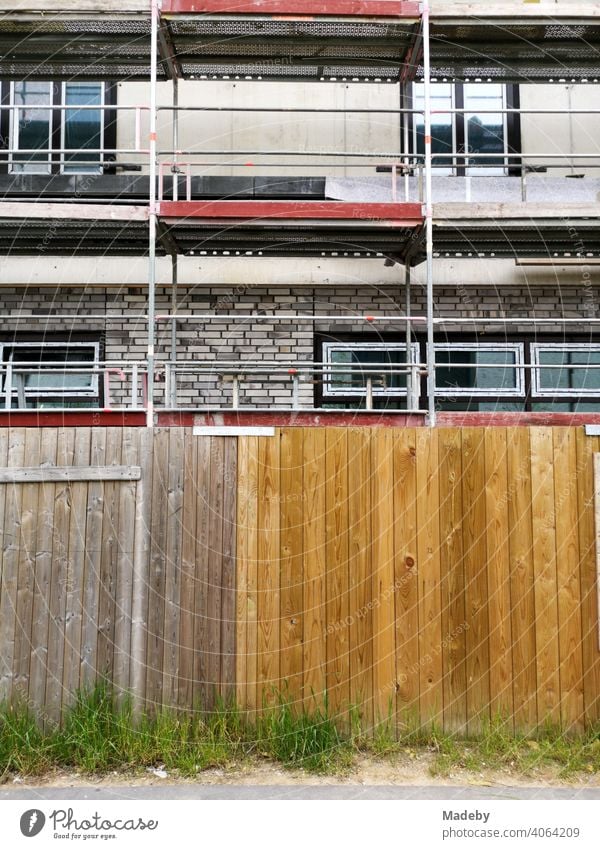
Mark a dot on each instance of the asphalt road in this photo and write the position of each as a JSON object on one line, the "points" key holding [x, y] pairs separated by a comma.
{"points": [[317, 792]]}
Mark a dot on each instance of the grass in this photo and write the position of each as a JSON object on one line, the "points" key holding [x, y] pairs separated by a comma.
{"points": [[100, 736], [498, 748]]}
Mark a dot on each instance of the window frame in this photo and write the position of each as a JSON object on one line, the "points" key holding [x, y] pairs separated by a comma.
{"points": [[458, 165], [44, 165], [108, 134], [327, 392], [517, 347], [91, 391], [63, 128], [537, 391]]}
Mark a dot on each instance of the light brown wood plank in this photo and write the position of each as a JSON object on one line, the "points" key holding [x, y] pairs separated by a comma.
{"points": [[228, 595], [587, 557], [476, 589], [75, 575], [26, 574], [428, 558], [60, 570], [243, 496], [498, 574], [336, 552], [174, 506], [382, 530], [567, 566], [453, 582], [315, 641], [544, 566], [521, 580], [407, 578], [43, 569], [291, 518], [268, 569], [359, 569], [215, 565], [252, 698]]}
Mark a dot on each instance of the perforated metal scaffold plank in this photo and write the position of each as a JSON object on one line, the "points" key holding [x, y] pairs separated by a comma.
{"points": [[351, 40], [292, 228]]}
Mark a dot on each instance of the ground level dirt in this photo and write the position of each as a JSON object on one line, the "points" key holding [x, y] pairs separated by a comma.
{"points": [[405, 768]]}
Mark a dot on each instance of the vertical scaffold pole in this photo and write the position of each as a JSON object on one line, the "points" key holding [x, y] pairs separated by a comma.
{"points": [[428, 215], [152, 222], [174, 296], [410, 375]]}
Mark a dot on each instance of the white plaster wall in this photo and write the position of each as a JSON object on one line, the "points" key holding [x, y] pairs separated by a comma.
{"points": [[562, 134], [265, 137]]}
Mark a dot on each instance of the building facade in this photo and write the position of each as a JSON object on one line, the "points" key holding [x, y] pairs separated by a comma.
{"points": [[267, 305]]}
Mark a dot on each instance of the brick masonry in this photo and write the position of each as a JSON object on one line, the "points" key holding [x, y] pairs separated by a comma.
{"points": [[124, 329]]}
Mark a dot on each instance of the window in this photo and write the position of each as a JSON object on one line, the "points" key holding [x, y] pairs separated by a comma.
{"points": [[36, 133], [479, 369], [566, 370], [353, 363], [478, 130], [31, 127], [82, 129], [471, 375], [50, 374]]}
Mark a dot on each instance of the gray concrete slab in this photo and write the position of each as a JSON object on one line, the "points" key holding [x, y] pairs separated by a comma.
{"points": [[310, 792]]}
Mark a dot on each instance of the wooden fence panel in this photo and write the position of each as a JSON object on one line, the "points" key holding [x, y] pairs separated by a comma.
{"points": [[449, 574], [110, 579]]}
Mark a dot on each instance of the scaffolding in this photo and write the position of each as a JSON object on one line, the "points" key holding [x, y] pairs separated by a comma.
{"points": [[360, 41]]}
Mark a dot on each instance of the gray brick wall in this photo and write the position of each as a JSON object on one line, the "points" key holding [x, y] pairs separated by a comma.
{"points": [[224, 339]]}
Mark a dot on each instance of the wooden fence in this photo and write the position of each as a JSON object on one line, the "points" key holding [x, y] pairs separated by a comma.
{"points": [[444, 574], [129, 580]]}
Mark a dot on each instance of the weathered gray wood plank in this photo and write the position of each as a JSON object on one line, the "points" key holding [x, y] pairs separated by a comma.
{"points": [[50, 474]]}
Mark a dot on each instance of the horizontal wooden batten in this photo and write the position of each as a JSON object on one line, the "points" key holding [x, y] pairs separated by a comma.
{"points": [[53, 474]]}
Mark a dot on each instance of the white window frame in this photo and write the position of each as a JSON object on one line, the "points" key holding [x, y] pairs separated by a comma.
{"points": [[330, 391], [517, 348], [448, 169], [28, 167], [45, 167], [91, 391], [452, 166], [536, 389], [64, 164], [488, 170]]}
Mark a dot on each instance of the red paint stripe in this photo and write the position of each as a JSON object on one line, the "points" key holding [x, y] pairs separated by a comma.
{"points": [[408, 214], [335, 8], [515, 419], [288, 419], [68, 418]]}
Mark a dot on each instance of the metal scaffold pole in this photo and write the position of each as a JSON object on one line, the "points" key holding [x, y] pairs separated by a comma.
{"points": [[152, 222], [428, 216]]}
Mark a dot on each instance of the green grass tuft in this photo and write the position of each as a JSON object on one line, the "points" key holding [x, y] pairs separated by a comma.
{"points": [[301, 738], [100, 734]]}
